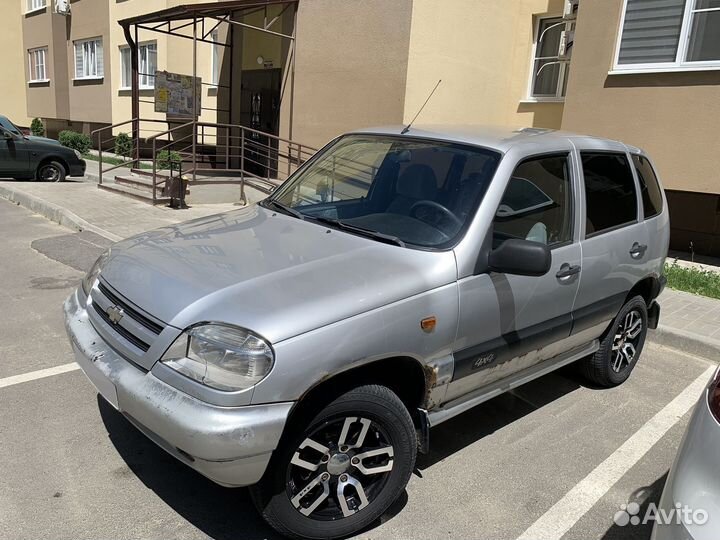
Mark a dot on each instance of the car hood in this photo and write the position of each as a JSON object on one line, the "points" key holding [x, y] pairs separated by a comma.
{"points": [[36, 138], [271, 273]]}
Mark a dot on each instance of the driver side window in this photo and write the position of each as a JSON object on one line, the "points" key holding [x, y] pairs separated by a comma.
{"points": [[537, 204]]}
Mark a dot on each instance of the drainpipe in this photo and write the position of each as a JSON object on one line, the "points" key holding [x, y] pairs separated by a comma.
{"points": [[135, 91]]}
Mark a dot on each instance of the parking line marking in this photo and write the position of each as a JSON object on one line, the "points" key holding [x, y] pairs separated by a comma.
{"points": [[565, 513], [39, 374]]}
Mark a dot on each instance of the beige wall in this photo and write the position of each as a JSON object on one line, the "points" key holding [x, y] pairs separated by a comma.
{"points": [[350, 67], [481, 49], [14, 59], [89, 101], [674, 116], [63, 97], [41, 29]]}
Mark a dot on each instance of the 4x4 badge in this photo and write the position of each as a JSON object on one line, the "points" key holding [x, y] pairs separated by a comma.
{"points": [[115, 313]]}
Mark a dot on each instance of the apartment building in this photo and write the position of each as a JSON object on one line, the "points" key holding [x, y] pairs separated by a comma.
{"points": [[647, 72], [643, 71]]}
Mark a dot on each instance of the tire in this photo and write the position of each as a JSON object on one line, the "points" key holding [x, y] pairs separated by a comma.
{"points": [[620, 347], [52, 171], [292, 497]]}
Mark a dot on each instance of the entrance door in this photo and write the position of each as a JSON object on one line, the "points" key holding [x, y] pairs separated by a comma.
{"points": [[260, 110], [507, 322]]}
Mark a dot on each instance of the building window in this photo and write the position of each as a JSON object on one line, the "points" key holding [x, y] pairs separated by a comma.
{"points": [[38, 69], [679, 34], [147, 65], [215, 58], [89, 59], [33, 5], [549, 75]]}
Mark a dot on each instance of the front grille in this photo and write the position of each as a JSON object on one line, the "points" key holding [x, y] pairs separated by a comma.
{"points": [[140, 344], [134, 333], [129, 311]]}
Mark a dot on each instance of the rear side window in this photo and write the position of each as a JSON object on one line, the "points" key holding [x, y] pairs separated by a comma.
{"points": [[610, 196], [649, 187]]}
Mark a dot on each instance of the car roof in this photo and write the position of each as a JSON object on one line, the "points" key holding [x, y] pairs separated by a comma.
{"points": [[503, 138]]}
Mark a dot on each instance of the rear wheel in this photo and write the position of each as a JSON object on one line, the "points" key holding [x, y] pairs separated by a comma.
{"points": [[52, 171], [621, 346], [343, 470]]}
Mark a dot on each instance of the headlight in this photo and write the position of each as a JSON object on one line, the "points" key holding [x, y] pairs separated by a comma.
{"points": [[78, 154], [89, 280], [220, 356]]}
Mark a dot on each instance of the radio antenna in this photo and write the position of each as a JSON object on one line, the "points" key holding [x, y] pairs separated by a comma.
{"points": [[407, 128]]}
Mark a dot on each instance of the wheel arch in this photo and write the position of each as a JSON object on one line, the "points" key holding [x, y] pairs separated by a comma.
{"points": [[649, 288], [404, 375], [47, 159]]}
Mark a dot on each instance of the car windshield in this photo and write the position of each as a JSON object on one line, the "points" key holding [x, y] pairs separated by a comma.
{"points": [[398, 189]]}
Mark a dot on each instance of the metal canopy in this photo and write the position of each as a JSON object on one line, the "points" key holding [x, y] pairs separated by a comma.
{"points": [[190, 11], [190, 23]]}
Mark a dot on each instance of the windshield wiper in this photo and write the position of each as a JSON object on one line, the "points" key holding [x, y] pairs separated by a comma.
{"points": [[387, 238], [286, 209]]}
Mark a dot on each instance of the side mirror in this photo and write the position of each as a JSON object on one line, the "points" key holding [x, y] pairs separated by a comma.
{"points": [[6, 135], [520, 257]]}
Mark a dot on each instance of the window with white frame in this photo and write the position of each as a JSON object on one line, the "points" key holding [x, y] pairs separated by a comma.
{"points": [[147, 65], [32, 5], [657, 35], [549, 75], [38, 67], [215, 58], [89, 59]]}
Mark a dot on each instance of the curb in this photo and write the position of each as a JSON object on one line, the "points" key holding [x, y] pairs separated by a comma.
{"points": [[53, 212], [685, 341]]}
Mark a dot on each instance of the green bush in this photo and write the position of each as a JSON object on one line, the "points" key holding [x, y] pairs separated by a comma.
{"points": [[123, 145], [165, 158], [77, 141], [37, 128]]}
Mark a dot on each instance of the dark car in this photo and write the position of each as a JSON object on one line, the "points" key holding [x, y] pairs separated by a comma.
{"points": [[27, 157]]}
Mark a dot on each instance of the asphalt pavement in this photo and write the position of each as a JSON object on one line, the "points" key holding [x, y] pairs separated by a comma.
{"points": [[555, 451]]}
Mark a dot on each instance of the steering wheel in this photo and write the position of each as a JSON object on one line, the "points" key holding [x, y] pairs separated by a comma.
{"points": [[439, 207]]}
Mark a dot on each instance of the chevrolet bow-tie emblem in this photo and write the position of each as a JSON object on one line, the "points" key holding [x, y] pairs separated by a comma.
{"points": [[115, 313]]}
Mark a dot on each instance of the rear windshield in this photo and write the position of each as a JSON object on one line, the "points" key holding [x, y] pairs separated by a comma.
{"points": [[421, 192]]}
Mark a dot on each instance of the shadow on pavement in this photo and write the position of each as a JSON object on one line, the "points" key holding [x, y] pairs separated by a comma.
{"points": [[221, 513], [224, 513], [463, 430], [643, 496]]}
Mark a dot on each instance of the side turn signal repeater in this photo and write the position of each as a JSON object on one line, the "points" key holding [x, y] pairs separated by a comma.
{"points": [[428, 324]]}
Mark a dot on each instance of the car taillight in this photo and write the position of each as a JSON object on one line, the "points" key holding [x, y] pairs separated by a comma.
{"points": [[714, 396]]}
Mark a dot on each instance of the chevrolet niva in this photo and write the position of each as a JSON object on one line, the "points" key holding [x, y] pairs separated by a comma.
{"points": [[306, 345]]}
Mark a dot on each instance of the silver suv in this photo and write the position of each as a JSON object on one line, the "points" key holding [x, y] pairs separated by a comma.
{"points": [[306, 345]]}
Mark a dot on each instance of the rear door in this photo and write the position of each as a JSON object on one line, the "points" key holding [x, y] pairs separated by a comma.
{"points": [[508, 322], [615, 240]]}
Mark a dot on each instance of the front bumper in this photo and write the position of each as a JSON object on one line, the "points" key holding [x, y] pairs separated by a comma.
{"points": [[694, 480], [230, 445], [77, 168]]}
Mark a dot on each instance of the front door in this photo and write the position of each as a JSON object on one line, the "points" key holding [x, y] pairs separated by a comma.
{"points": [[14, 160], [260, 110], [508, 322]]}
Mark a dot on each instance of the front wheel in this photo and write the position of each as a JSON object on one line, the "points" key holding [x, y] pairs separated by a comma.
{"points": [[343, 470], [620, 347], [51, 172]]}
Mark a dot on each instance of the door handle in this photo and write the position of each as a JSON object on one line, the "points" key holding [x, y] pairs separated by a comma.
{"points": [[637, 250], [567, 270]]}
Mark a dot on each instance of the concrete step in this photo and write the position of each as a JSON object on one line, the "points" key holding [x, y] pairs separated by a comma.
{"points": [[134, 193], [136, 182]]}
